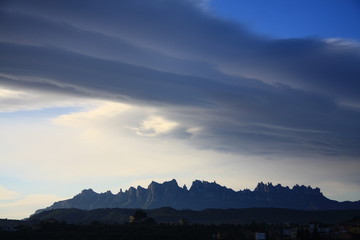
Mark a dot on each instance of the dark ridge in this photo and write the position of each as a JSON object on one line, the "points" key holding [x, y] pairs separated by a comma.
{"points": [[203, 195]]}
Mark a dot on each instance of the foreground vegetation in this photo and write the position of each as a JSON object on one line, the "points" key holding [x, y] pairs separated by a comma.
{"points": [[55, 230], [208, 216], [137, 224], [147, 229]]}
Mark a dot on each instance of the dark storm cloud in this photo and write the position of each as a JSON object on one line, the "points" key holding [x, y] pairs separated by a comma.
{"points": [[41, 31], [180, 29], [289, 100]]}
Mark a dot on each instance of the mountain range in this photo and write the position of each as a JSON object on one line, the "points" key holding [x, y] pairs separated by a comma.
{"points": [[205, 195]]}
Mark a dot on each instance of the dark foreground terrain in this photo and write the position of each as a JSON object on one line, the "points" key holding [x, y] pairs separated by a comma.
{"points": [[168, 223], [208, 216], [49, 230], [130, 231]]}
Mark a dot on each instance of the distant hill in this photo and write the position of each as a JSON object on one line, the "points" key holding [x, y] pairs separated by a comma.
{"points": [[206, 195], [208, 216]]}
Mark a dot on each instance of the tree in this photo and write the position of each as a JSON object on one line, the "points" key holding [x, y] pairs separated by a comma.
{"points": [[139, 216]]}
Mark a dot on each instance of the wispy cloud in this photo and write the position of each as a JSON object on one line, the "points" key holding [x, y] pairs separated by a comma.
{"points": [[6, 194]]}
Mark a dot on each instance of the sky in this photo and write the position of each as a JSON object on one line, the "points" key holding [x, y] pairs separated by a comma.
{"points": [[108, 95]]}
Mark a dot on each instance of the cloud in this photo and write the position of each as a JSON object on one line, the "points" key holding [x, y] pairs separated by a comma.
{"points": [[98, 147], [243, 92], [21, 99], [94, 111], [6, 93], [313, 64], [47, 32], [156, 125], [6, 194]]}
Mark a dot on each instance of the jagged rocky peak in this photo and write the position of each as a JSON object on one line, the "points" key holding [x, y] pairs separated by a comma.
{"points": [[172, 183], [140, 188], [165, 185], [131, 191], [307, 189], [264, 187], [198, 185], [87, 192], [172, 186], [153, 184], [269, 187], [107, 193]]}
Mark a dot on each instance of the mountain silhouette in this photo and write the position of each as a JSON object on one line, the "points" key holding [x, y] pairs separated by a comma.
{"points": [[205, 195]]}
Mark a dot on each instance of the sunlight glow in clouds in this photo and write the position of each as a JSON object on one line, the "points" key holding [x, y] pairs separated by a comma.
{"points": [[102, 110], [7, 93], [155, 125]]}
